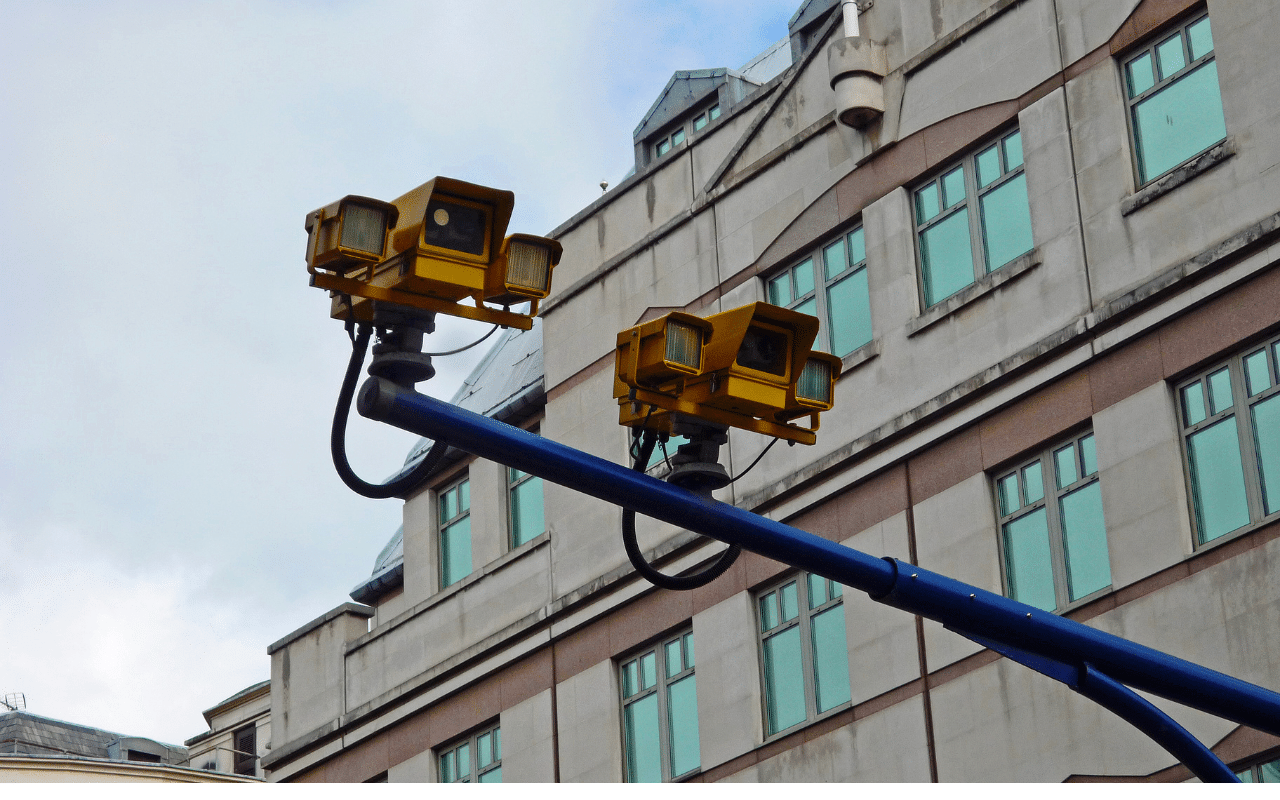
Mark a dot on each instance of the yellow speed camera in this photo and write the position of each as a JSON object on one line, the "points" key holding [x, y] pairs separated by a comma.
{"points": [[439, 248], [751, 368]]}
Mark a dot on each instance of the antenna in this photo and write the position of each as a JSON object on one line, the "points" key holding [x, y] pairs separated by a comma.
{"points": [[14, 701]]}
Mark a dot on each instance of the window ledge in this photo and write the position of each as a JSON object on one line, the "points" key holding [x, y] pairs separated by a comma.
{"points": [[1161, 186], [969, 294], [1227, 538], [506, 559], [859, 357]]}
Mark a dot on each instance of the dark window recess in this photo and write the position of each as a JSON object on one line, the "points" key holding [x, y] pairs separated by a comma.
{"points": [[246, 751], [138, 755]]}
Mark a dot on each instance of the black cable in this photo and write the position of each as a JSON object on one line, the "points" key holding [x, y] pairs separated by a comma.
{"points": [[338, 435], [757, 461], [677, 583], [468, 347]]}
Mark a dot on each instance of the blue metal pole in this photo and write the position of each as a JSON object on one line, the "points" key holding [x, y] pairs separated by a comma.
{"points": [[1163, 729], [966, 609]]}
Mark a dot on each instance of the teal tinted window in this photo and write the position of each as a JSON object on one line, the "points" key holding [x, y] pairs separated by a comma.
{"points": [[780, 290], [1193, 410], [455, 552], [455, 533], [1012, 151], [1140, 74], [834, 259], [640, 723], [803, 277], [1006, 222], [1266, 437], [831, 285], [1028, 561], [1084, 538], [928, 204], [783, 681], [1053, 535], [1220, 391], [805, 659], [1217, 480], [683, 723], [1231, 432], [478, 759], [1032, 483], [1064, 461], [849, 304], [1010, 497], [1176, 102], [830, 659], [1257, 376], [968, 230], [1170, 56], [1088, 455], [988, 164], [526, 507], [660, 712], [946, 258]]}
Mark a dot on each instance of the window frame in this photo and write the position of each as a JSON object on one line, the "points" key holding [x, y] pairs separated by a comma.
{"points": [[804, 621], [1241, 407], [661, 687], [1160, 84], [677, 135], [819, 294], [1251, 770], [971, 205], [443, 525], [1050, 499], [471, 741], [515, 480]]}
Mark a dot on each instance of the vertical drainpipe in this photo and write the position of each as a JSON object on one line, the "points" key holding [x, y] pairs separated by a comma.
{"points": [[850, 10]]}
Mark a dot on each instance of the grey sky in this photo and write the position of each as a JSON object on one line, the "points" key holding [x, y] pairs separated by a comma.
{"points": [[168, 506]]}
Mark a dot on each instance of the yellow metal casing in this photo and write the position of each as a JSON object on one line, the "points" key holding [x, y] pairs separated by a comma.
{"points": [[752, 358], [642, 357], [445, 254], [449, 235], [522, 270], [349, 233], [814, 388]]}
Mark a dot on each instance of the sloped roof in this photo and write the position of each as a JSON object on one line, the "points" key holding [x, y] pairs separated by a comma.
{"points": [[24, 733]]}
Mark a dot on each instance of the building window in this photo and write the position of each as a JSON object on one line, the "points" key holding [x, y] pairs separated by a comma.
{"points": [[1052, 534], [475, 759], [1230, 417], [803, 651], [1266, 772], [705, 118], [673, 139], [1175, 105], [677, 136], [524, 492], [660, 712], [831, 284], [244, 759], [972, 219], [455, 533]]}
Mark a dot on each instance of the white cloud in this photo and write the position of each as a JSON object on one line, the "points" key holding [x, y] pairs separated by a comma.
{"points": [[167, 502]]}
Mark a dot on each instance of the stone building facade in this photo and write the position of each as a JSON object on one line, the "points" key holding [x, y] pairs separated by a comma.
{"points": [[1050, 268]]}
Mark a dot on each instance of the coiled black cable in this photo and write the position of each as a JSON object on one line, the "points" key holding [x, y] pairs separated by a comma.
{"points": [[338, 435], [679, 583]]}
